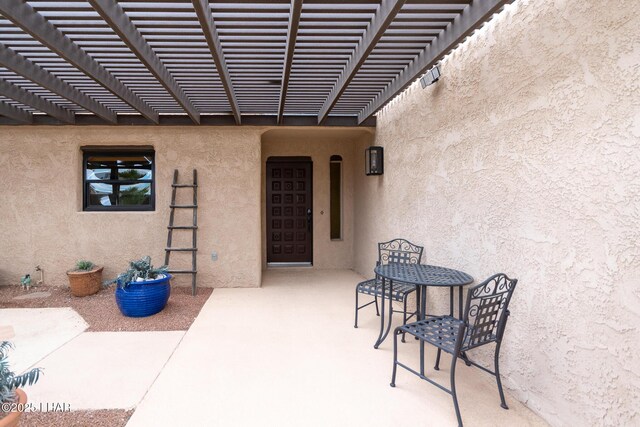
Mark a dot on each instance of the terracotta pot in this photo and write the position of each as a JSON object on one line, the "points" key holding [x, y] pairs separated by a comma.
{"points": [[83, 283], [13, 419]]}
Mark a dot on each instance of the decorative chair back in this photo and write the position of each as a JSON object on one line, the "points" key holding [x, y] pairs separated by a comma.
{"points": [[399, 251], [487, 310]]}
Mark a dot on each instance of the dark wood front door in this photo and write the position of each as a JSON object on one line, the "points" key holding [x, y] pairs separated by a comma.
{"points": [[289, 211]]}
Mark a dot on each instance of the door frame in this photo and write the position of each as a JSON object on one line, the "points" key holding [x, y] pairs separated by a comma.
{"points": [[288, 159]]}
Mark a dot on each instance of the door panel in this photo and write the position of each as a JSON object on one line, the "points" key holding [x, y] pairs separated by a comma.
{"points": [[289, 214]]}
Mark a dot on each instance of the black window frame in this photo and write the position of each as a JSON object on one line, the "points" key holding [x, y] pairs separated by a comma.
{"points": [[336, 160], [125, 152]]}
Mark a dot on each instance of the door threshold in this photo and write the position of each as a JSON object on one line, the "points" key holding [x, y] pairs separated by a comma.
{"points": [[288, 264]]}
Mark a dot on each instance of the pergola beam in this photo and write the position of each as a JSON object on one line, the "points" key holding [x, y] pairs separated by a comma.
{"points": [[292, 35], [205, 120], [31, 71], [25, 97], [381, 20], [203, 10], [33, 23], [118, 20], [470, 19], [15, 113]]}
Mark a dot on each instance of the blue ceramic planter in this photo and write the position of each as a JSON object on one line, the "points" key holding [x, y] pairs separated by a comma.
{"points": [[141, 299]]}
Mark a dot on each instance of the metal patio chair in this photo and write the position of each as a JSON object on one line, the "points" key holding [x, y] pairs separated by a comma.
{"points": [[484, 321], [399, 251]]}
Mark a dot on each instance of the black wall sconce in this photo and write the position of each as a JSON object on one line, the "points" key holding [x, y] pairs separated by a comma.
{"points": [[374, 161], [432, 76]]}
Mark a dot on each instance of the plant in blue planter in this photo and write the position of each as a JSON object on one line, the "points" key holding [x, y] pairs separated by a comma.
{"points": [[142, 290]]}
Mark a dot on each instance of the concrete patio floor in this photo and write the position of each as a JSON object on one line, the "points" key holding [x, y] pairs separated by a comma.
{"points": [[287, 354], [38, 332], [83, 370], [103, 370]]}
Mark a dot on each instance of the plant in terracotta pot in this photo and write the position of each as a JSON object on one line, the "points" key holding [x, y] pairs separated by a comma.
{"points": [[142, 290], [85, 279], [13, 400]]}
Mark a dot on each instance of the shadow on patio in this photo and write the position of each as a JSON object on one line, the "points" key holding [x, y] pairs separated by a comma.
{"points": [[287, 354]]}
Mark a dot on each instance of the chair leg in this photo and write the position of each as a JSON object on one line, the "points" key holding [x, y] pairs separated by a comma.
{"points": [[453, 389], [437, 367], [377, 311], [404, 319], [503, 404], [395, 359], [356, 322], [419, 295]]}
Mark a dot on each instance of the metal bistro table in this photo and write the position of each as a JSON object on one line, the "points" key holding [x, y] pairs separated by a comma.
{"points": [[420, 275]]}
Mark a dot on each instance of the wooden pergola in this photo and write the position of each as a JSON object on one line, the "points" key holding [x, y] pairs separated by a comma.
{"points": [[257, 62]]}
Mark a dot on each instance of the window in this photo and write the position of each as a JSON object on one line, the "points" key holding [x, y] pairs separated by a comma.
{"points": [[335, 179], [118, 180]]}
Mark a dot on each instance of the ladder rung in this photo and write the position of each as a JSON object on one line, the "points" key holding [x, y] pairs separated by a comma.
{"points": [[181, 249], [183, 227], [184, 206], [183, 271], [184, 185]]}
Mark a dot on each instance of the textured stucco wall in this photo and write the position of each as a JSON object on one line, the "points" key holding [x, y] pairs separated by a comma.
{"points": [[525, 158], [320, 144], [41, 218]]}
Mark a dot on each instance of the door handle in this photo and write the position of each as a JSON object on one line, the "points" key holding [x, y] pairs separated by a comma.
{"points": [[309, 220]]}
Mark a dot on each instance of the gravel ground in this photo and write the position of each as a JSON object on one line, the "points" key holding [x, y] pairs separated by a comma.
{"points": [[100, 418], [101, 312]]}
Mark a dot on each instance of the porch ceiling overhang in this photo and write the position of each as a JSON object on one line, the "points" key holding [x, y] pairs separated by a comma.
{"points": [[224, 62]]}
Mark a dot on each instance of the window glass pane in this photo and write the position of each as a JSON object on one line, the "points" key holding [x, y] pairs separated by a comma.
{"points": [[119, 195], [134, 195], [101, 195], [110, 167], [335, 177]]}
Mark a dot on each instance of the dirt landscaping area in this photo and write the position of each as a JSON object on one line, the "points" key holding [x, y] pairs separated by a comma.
{"points": [[100, 418], [101, 312]]}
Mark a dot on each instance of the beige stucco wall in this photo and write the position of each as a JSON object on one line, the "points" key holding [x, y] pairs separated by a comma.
{"points": [[525, 158], [41, 199], [320, 144], [42, 220]]}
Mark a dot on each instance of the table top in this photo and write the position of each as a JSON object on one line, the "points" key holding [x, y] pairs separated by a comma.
{"points": [[423, 275]]}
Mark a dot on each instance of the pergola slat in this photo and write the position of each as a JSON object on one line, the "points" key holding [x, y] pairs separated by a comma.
{"points": [[292, 35], [115, 16], [33, 23], [35, 73], [25, 97], [471, 18], [15, 113], [381, 20], [203, 10], [324, 60]]}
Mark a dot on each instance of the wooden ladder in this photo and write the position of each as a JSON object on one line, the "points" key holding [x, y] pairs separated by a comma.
{"points": [[194, 228]]}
